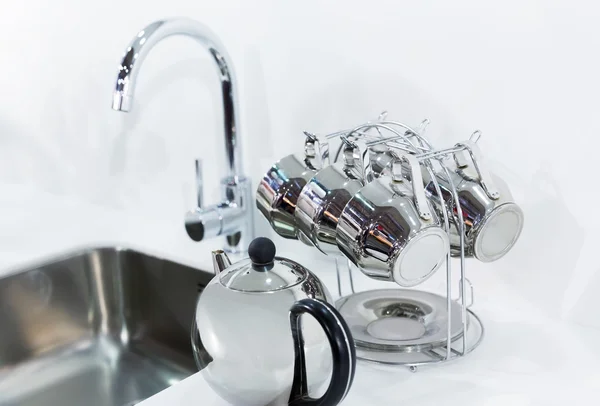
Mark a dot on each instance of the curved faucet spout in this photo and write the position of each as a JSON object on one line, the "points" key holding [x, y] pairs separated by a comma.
{"points": [[232, 217], [154, 33]]}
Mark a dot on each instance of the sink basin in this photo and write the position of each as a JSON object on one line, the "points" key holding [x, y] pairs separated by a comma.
{"points": [[101, 326]]}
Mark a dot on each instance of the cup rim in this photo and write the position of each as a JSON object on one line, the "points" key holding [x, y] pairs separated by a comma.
{"points": [[433, 230], [480, 231]]}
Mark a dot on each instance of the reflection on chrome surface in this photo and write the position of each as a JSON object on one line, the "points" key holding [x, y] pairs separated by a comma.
{"points": [[104, 326]]}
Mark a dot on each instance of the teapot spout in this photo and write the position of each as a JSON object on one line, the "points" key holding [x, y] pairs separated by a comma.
{"points": [[220, 261]]}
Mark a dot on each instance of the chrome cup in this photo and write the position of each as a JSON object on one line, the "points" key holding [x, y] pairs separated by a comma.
{"points": [[324, 197], [390, 230], [278, 190], [492, 220]]}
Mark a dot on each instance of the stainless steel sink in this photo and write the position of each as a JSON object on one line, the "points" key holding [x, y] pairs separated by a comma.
{"points": [[103, 326]]}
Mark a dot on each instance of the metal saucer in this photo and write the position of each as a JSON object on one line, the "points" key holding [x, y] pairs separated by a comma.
{"points": [[461, 346], [399, 320]]}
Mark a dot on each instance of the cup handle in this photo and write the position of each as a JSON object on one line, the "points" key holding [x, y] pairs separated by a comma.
{"points": [[485, 178], [417, 182], [316, 151], [342, 351], [352, 156]]}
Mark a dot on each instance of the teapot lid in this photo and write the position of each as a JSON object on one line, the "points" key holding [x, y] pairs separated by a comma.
{"points": [[263, 271]]}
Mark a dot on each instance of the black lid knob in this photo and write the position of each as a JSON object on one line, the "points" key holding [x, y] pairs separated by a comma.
{"points": [[261, 251]]}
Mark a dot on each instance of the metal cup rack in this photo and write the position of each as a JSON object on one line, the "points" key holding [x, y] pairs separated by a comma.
{"points": [[403, 138]]}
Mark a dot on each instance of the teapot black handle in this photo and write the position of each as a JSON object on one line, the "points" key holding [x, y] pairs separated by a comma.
{"points": [[342, 351]]}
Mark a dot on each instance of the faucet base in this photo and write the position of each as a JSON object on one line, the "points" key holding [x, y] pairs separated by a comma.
{"points": [[240, 230]]}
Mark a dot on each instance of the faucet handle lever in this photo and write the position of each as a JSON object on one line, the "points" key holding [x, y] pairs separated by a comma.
{"points": [[199, 182]]}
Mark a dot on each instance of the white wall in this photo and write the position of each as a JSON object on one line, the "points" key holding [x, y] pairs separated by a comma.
{"points": [[524, 72]]}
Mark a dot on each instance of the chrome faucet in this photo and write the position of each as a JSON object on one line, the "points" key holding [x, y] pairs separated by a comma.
{"points": [[233, 216]]}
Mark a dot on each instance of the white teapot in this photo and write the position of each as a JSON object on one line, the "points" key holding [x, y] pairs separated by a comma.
{"points": [[251, 344]]}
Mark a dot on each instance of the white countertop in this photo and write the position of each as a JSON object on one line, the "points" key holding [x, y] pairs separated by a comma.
{"points": [[526, 358]]}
